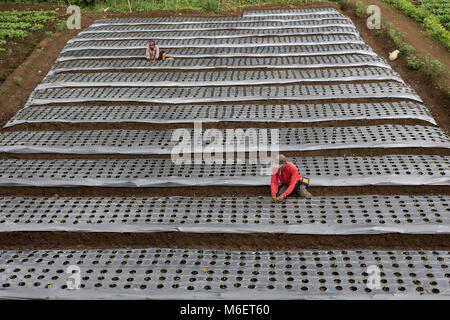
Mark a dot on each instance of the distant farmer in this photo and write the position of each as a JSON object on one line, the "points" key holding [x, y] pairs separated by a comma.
{"points": [[153, 53], [291, 181]]}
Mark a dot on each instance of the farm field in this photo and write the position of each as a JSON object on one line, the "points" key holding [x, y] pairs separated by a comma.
{"points": [[87, 179], [21, 31], [440, 8]]}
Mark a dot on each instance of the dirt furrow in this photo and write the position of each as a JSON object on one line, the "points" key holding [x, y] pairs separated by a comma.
{"points": [[216, 191], [262, 241], [61, 126]]}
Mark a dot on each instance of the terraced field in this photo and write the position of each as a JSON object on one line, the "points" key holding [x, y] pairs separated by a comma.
{"points": [[103, 119]]}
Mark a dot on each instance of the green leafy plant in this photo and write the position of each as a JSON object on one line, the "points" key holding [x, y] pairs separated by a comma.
{"points": [[413, 62], [27, 16], [406, 48], [60, 26], [437, 31], [49, 33], [439, 8], [18, 80], [37, 26], [12, 33], [15, 25], [361, 9], [435, 67], [396, 36]]}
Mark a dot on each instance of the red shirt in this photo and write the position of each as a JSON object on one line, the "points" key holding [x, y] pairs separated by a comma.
{"points": [[289, 175]]}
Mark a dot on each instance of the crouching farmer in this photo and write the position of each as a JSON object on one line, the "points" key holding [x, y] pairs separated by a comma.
{"points": [[153, 53], [292, 183]]}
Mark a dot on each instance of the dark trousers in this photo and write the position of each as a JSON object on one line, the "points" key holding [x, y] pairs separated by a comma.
{"points": [[299, 190], [161, 55]]}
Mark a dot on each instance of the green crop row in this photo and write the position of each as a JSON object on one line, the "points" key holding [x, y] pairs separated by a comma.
{"points": [[28, 13], [430, 22], [15, 24], [12, 33], [151, 5], [20, 25], [440, 8], [434, 68], [27, 16], [27, 19]]}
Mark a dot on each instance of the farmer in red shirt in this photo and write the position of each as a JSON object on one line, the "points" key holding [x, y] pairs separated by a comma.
{"points": [[291, 181]]}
